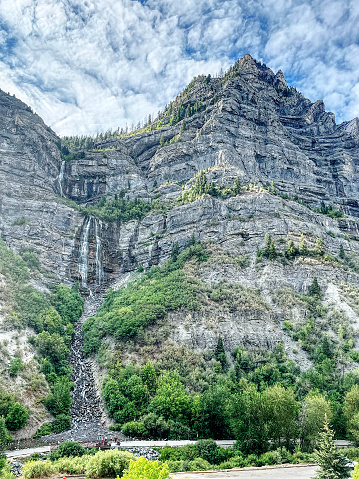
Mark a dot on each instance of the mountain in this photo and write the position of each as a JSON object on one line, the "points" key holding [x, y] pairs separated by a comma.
{"points": [[233, 215]]}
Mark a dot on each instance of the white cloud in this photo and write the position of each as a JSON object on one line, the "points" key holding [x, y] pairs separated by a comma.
{"points": [[86, 65]]}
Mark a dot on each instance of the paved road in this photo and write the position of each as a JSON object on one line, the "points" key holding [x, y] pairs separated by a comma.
{"points": [[305, 472], [27, 452]]}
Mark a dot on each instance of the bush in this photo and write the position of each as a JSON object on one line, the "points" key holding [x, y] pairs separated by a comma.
{"points": [[251, 460], [209, 451], [43, 430], [61, 423], [134, 429], [236, 461], [68, 449], [270, 458], [5, 469], [199, 464], [38, 469], [71, 465], [31, 260], [16, 417], [15, 366], [108, 463], [143, 468], [169, 453], [20, 221], [176, 466]]}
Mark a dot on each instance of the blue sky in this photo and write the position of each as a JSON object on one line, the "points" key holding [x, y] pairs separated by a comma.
{"points": [[89, 65]]}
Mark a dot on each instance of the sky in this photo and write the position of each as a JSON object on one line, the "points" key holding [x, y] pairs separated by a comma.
{"points": [[86, 66]]}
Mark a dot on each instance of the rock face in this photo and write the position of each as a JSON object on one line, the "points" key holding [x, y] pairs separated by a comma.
{"points": [[250, 125], [246, 125]]}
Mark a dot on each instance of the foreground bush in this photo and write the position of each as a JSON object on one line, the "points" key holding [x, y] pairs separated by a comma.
{"points": [[71, 465], [38, 469], [108, 463], [143, 468], [67, 449], [5, 468], [208, 450]]}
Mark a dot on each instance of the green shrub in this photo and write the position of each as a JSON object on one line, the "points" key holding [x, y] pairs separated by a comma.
{"points": [[5, 469], [67, 449], [235, 461], [20, 221], [118, 209], [251, 460], [176, 466], [134, 429], [16, 417], [31, 260], [209, 451], [68, 303], [169, 453], [15, 366], [61, 423], [108, 463], [143, 468], [38, 469], [270, 458], [43, 430], [200, 464], [71, 465], [352, 453], [58, 402]]}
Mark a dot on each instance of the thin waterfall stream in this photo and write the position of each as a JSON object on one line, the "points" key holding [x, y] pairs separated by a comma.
{"points": [[83, 263], [61, 177]]}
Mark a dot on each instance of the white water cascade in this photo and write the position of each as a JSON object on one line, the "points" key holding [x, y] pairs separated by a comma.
{"points": [[61, 178], [99, 267], [83, 263]]}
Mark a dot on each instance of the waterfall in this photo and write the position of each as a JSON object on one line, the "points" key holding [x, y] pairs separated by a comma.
{"points": [[61, 177], [99, 268], [83, 263]]}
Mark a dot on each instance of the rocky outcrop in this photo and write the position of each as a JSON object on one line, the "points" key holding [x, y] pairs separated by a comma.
{"points": [[247, 125]]}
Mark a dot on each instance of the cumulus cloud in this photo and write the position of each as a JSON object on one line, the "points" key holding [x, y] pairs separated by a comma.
{"points": [[86, 66]]}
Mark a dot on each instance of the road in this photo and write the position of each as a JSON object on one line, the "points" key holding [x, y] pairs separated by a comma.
{"points": [[297, 472], [27, 452]]}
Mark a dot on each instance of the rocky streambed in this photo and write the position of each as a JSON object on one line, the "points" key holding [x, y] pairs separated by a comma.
{"points": [[88, 419]]}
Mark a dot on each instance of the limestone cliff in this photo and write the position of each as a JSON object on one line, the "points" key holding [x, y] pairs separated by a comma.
{"points": [[288, 152]]}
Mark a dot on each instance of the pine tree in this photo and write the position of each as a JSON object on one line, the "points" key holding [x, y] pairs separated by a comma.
{"points": [[319, 247], [267, 243], [330, 459], [341, 252], [175, 251], [220, 353], [237, 188], [314, 289], [303, 249], [272, 251], [291, 251]]}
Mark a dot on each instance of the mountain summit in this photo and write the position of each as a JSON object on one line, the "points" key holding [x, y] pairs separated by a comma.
{"points": [[232, 215]]}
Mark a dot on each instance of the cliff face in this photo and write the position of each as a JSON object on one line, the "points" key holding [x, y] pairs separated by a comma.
{"points": [[247, 125]]}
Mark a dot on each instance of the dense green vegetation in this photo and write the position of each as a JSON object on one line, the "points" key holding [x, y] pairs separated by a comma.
{"points": [[95, 465], [51, 315], [5, 467], [144, 302], [258, 397], [118, 209], [201, 187]]}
